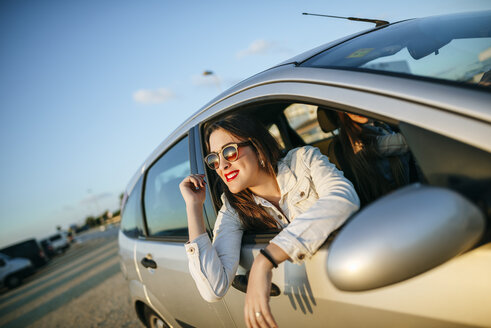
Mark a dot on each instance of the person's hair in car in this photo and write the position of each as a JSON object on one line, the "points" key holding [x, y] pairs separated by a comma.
{"points": [[362, 158], [252, 216]]}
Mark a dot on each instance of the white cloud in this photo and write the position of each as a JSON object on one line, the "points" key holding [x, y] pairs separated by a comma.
{"points": [[153, 96], [95, 198], [206, 80], [259, 47]]}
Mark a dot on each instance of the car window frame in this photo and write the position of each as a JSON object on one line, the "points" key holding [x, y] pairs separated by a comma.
{"points": [[285, 129], [250, 238], [146, 236], [134, 189], [198, 167]]}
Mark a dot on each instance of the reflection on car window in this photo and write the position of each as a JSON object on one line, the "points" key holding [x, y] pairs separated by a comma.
{"points": [[275, 132], [303, 119], [456, 48], [164, 206], [131, 221]]}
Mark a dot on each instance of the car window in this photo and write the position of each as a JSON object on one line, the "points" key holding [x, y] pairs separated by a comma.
{"points": [[165, 209], [303, 119], [454, 48], [275, 132], [131, 220]]}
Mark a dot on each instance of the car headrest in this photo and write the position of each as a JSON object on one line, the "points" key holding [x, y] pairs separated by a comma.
{"points": [[327, 120]]}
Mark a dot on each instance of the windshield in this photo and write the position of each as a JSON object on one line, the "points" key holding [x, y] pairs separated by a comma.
{"points": [[453, 47]]}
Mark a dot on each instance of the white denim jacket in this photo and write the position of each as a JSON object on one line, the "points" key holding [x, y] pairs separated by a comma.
{"points": [[316, 199]]}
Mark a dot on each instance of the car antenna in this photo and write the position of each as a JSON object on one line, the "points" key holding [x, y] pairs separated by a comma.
{"points": [[377, 22]]}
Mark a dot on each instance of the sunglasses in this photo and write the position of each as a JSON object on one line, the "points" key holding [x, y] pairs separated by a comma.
{"points": [[229, 152]]}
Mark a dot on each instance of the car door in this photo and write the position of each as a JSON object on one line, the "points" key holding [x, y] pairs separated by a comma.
{"points": [[160, 254], [450, 295]]}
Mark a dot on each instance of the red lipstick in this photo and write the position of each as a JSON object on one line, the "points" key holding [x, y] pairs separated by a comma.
{"points": [[231, 175]]}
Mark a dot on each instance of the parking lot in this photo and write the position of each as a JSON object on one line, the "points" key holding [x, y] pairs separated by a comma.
{"points": [[83, 287]]}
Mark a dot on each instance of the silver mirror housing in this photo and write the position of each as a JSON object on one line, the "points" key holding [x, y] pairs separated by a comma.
{"points": [[401, 235]]}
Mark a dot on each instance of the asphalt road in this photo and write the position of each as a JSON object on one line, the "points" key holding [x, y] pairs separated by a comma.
{"points": [[82, 288]]}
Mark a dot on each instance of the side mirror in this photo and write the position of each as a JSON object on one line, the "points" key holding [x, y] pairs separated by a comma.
{"points": [[401, 235]]}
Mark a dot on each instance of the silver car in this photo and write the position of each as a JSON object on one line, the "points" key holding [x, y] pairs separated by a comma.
{"points": [[419, 256]]}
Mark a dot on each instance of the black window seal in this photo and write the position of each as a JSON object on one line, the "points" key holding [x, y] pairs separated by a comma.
{"points": [[197, 166]]}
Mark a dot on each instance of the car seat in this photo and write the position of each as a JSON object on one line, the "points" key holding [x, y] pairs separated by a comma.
{"points": [[329, 124]]}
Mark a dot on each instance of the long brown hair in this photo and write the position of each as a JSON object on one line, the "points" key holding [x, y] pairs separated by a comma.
{"points": [[251, 215], [363, 171]]}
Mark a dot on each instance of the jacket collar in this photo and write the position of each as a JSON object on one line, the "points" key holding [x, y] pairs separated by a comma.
{"points": [[286, 181]]}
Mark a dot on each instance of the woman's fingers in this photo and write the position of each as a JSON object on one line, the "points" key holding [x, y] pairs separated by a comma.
{"points": [[246, 316], [261, 317], [257, 313], [198, 180], [252, 319], [267, 317], [256, 310], [193, 189]]}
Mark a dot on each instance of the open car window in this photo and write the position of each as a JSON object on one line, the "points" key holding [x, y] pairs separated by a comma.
{"points": [[298, 124]]}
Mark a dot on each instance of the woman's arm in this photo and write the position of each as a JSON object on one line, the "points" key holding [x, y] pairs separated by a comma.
{"points": [[259, 288], [212, 266], [193, 191], [336, 203], [304, 235]]}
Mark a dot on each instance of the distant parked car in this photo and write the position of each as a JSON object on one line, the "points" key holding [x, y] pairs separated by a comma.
{"points": [[59, 242], [13, 270], [417, 257], [48, 247], [29, 249], [70, 235]]}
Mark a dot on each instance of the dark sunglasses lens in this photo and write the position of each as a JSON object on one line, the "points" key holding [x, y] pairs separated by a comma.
{"points": [[230, 153], [212, 161]]}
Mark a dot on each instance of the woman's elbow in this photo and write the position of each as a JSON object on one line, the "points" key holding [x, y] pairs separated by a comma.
{"points": [[212, 295]]}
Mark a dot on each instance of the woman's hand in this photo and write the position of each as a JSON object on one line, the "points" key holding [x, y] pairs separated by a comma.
{"points": [[193, 189], [256, 310]]}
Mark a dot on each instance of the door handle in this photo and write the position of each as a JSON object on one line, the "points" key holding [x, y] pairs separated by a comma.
{"points": [[148, 263], [240, 283]]}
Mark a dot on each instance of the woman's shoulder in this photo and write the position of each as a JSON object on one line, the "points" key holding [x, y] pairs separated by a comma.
{"points": [[226, 208], [227, 212], [303, 154]]}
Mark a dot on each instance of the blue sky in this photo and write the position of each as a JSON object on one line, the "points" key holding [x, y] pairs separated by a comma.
{"points": [[89, 88]]}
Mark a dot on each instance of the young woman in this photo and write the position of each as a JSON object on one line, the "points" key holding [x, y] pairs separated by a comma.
{"points": [[376, 159], [302, 193]]}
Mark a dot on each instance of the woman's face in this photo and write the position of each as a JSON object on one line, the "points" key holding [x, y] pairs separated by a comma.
{"points": [[245, 171], [358, 118]]}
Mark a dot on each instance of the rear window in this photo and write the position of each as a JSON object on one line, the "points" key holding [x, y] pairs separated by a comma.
{"points": [[55, 237], [132, 217], [454, 47], [303, 119]]}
